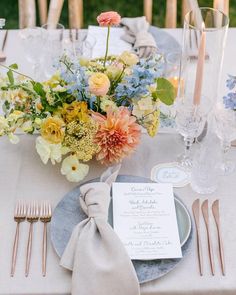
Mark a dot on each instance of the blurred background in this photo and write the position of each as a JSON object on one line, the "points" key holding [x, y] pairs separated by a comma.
{"points": [[131, 8]]}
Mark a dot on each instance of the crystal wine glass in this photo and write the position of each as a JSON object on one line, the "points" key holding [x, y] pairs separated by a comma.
{"points": [[53, 48], [33, 41], [190, 121], [225, 123]]}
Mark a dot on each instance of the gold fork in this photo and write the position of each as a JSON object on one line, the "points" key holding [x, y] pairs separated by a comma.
{"points": [[45, 217], [19, 216], [32, 216]]}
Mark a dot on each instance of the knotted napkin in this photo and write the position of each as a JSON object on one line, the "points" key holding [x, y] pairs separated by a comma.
{"points": [[138, 35], [95, 254]]}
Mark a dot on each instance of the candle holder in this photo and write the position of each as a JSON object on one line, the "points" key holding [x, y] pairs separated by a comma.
{"points": [[205, 31]]}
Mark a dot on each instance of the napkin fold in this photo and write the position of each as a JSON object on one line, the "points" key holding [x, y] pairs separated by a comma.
{"points": [[95, 254], [138, 35]]}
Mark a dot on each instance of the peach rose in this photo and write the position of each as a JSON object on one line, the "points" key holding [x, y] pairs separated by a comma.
{"points": [[109, 18], [99, 84]]}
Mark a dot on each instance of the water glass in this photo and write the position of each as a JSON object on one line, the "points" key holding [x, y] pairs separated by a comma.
{"points": [[33, 41], [205, 170], [225, 127], [190, 121], [53, 49]]}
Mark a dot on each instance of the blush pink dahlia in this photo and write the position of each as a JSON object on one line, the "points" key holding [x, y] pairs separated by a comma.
{"points": [[109, 18], [117, 136]]}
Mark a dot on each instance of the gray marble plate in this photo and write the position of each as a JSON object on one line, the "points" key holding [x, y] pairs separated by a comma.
{"points": [[68, 213], [165, 42]]}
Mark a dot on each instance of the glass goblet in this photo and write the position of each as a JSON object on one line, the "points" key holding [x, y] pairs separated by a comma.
{"points": [[33, 41], [190, 121], [225, 123], [84, 45], [53, 48]]}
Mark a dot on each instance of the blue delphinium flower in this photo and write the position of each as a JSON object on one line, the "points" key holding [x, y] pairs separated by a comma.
{"points": [[231, 82], [230, 99], [143, 75]]}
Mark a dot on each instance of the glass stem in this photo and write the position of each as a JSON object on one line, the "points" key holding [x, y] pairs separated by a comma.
{"points": [[36, 71], [225, 148], [188, 143]]}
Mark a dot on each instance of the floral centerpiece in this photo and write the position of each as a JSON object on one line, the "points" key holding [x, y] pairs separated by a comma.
{"points": [[89, 108]]}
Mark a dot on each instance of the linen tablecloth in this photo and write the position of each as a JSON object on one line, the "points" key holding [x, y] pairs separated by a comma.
{"points": [[24, 176]]}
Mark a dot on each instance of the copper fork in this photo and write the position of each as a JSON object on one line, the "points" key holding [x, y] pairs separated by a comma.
{"points": [[19, 216], [45, 217], [32, 217]]}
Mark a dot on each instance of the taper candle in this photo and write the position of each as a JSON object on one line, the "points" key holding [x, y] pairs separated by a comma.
{"points": [[200, 68]]}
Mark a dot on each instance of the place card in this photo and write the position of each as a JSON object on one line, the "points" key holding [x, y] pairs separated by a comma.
{"points": [[170, 173], [144, 218]]}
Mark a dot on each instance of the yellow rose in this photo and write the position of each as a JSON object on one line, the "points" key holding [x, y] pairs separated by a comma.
{"points": [[99, 84], [53, 130], [128, 58], [77, 110]]}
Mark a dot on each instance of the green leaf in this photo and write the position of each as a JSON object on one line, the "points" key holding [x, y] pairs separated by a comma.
{"points": [[38, 88], [10, 77], [14, 66], [165, 91]]}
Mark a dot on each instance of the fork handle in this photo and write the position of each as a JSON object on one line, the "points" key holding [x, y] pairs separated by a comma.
{"points": [[221, 249], [211, 255], [29, 248], [200, 257], [44, 250], [15, 249]]}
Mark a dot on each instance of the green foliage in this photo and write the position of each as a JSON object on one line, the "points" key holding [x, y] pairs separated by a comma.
{"points": [[165, 91]]}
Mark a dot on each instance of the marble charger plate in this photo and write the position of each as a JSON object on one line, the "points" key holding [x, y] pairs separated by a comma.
{"points": [[68, 213]]}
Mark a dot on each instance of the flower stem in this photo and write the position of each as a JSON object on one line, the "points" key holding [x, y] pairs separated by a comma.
{"points": [[107, 44], [6, 67]]}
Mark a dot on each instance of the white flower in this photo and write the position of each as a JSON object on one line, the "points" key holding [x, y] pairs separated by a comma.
{"points": [[107, 103], [59, 88], [13, 138], [73, 169], [48, 151], [3, 125], [129, 58], [27, 126]]}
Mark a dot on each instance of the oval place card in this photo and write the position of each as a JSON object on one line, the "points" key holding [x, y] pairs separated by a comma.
{"points": [[170, 173]]}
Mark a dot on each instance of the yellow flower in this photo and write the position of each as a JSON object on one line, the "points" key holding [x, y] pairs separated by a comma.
{"points": [[16, 95], [27, 126], [147, 114], [129, 58], [113, 72], [15, 115], [53, 130], [106, 104], [77, 110], [3, 125], [99, 84], [79, 139], [53, 81], [73, 169], [151, 123], [50, 98]]}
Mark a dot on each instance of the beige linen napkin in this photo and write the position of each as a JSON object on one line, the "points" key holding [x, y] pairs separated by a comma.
{"points": [[95, 254], [138, 35]]}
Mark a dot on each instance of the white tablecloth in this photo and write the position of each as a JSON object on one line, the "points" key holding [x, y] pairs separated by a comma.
{"points": [[24, 176]]}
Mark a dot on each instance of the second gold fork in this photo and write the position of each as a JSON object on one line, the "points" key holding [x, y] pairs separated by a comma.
{"points": [[32, 216]]}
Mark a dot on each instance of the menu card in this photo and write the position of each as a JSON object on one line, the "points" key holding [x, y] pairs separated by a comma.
{"points": [[144, 218]]}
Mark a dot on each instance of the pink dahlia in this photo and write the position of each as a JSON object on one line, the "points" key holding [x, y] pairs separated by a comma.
{"points": [[117, 136], [109, 18]]}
